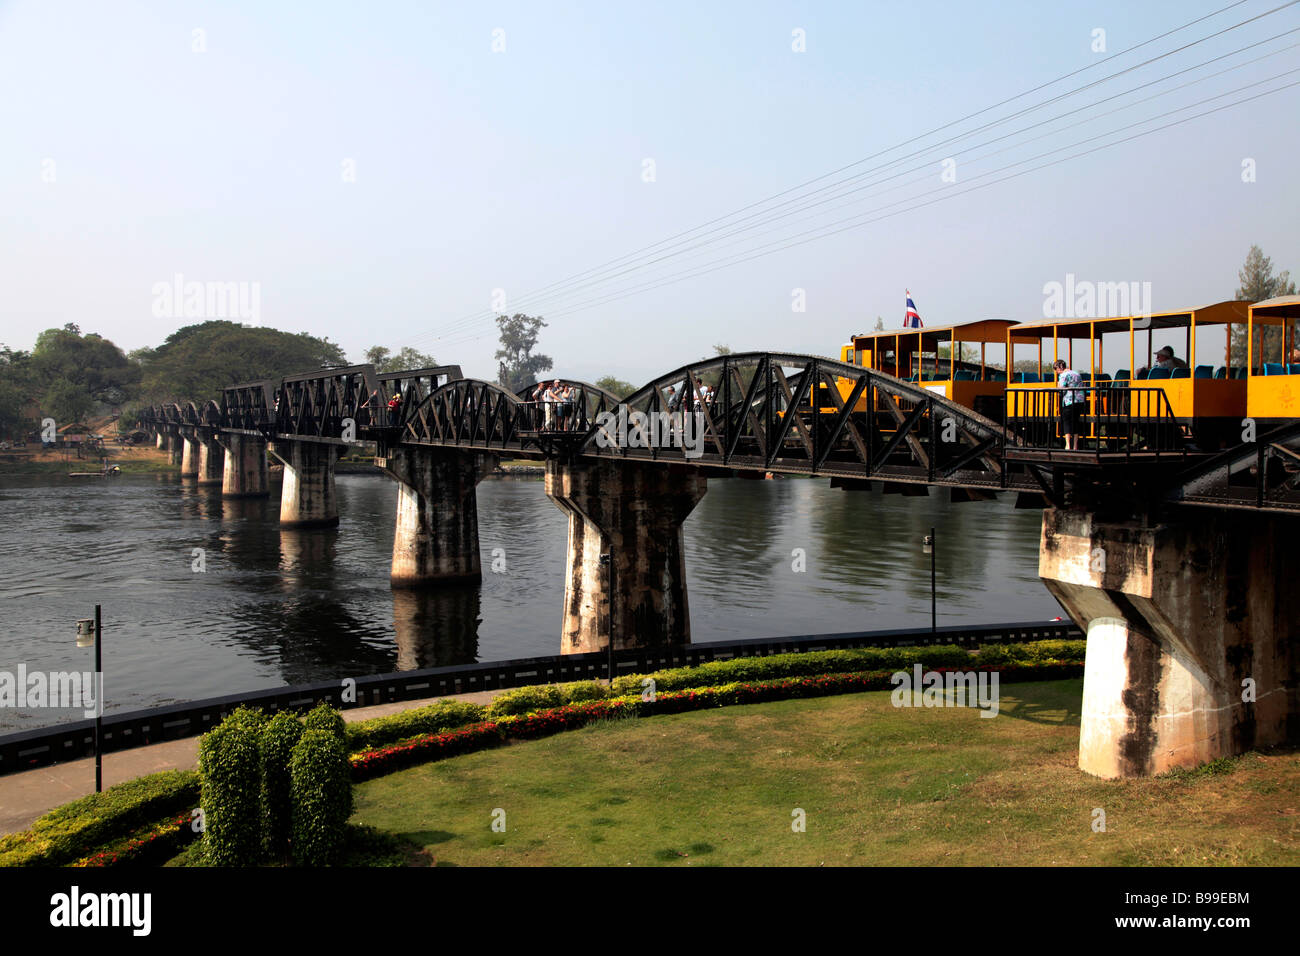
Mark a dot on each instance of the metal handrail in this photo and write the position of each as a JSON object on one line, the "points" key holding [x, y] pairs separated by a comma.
{"points": [[1117, 418]]}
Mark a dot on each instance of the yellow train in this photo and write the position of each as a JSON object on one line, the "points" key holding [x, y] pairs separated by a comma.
{"points": [[1230, 361]]}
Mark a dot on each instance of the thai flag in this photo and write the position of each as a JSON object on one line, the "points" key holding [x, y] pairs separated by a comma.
{"points": [[913, 318]]}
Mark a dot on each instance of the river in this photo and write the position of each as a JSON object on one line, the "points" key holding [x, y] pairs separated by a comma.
{"points": [[203, 596]]}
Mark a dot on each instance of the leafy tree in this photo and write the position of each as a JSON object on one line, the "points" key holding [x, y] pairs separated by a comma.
{"points": [[67, 402], [1258, 283], [91, 363], [518, 366], [616, 386], [197, 361], [17, 405], [408, 358]]}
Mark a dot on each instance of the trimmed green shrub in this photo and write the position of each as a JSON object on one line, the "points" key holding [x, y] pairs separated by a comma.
{"points": [[275, 748], [326, 718], [431, 719], [808, 664], [521, 700], [231, 773], [251, 718], [584, 690], [78, 828], [321, 781], [1033, 652]]}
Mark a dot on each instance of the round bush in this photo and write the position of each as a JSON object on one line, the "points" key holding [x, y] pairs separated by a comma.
{"points": [[326, 718]]}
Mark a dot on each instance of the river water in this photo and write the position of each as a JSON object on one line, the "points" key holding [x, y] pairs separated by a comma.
{"points": [[203, 596]]}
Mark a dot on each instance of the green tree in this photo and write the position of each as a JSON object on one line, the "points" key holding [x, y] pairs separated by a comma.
{"points": [[1257, 282], [407, 358], [197, 361], [616, 386], [89, 362], [518, 366], [17, 410], [67, 402]]}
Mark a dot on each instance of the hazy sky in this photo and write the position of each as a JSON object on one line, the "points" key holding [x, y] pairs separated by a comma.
{"points": [[377, 171]]}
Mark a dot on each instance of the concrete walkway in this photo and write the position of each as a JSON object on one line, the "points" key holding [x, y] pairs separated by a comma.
{"points": [[30, 794]]}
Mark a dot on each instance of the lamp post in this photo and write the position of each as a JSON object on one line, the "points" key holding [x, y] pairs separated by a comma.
{"points": [[89, 632], [927, 547], [607, 562]]}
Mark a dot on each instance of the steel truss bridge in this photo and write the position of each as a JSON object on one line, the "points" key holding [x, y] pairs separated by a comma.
{"points": [[774, 412]]}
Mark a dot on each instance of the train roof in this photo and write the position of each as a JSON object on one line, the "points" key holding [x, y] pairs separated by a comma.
{"points": [[1218, 313], [992, 330], [1284, 306]]}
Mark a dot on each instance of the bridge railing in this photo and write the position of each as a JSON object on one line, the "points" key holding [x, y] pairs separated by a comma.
{"points": [[1115, 419]]}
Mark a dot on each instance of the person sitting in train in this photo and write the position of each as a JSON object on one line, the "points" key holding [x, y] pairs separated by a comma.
{"points": [[1165, 359]]}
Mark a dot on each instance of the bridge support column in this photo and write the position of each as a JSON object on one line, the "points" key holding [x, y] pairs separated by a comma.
{"points": [[175, 448], [634, 513], [307, 497], [160, 440], [189, 456], [436, 536], [1193, 640], [244, 474], [211, 462]]}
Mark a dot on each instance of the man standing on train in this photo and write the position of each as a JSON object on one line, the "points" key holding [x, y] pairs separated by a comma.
{"points": [[1072, 402]]}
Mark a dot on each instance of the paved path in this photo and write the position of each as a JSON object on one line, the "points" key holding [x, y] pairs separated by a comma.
{"points": [[27, 795]]}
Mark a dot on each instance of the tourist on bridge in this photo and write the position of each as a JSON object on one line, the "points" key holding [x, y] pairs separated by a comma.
{"points": [[551, 404], [1072, 402], [566, 406], [394, 408]]}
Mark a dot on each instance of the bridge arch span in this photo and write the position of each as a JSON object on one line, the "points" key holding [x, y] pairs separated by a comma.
{"points": [[847, 420]]}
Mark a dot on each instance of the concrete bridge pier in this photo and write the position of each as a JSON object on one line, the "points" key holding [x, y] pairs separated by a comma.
{"points": [[307, 497], [436, 536], [160, 440], [211, 461], [189, 455], [1193, 637], [244, 474], [175, 447], [634, 513]]}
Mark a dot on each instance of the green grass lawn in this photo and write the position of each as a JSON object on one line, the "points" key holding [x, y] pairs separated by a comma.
{"points": [[879, 785]]}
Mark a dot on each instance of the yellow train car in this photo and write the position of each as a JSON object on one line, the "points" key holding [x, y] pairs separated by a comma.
{"points": [[1273, 384], [964, 363], [1205, 393]]}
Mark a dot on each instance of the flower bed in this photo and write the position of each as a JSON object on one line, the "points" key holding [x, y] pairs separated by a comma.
{"points": [[155, 843]]}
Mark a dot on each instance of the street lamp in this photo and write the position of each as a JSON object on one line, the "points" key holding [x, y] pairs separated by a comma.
{"points": [[89, 631], [607, 562], [927, 547]]}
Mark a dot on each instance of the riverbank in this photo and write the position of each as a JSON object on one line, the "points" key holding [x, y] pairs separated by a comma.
{"points": [[138, 460]]}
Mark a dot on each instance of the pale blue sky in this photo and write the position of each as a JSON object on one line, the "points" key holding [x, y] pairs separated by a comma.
{"points": [[478, 170]]}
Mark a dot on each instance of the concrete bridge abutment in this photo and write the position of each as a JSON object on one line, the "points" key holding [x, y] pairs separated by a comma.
{"points": [[1193, 637], [633, 513], [244, 474], [435, 540], [307, 497]]}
